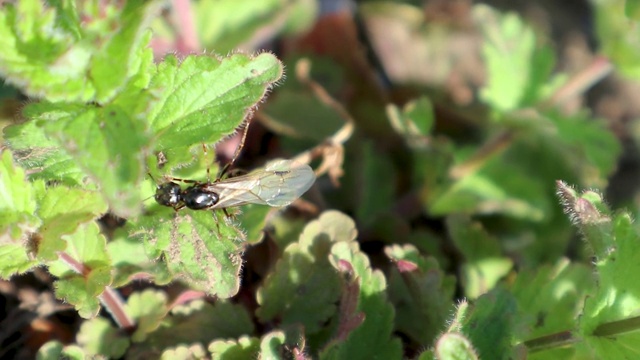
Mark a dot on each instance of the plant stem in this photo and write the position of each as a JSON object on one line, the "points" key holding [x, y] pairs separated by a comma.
{"points": [[565, 338], [561, 339], [486, 152], [113, 303], [618, 327], [579, 83], [109, 298]]}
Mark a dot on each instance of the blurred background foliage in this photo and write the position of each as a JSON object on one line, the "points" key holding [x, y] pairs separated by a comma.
{"points": [[464, 115]]}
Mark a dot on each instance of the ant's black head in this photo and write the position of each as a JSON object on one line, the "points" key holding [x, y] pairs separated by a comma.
{"points": [[197, 198], [168, 194]]}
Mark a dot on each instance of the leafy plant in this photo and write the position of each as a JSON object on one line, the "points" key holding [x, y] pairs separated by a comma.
{"points": [[456, 241]]}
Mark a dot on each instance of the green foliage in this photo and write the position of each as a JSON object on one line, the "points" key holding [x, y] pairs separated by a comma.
{"points": [[199, 247], [632, 9], [88, 248], [609, 312], [517, 69], [420, 292], [228, 24], [454, 346], [98, 336], [76, 48], [90, 139], [563, 284], [484, 265], [55, 350], [617, 23], [455, 246], [368, 336], [239, 349], [286, 293], [188, 110]]}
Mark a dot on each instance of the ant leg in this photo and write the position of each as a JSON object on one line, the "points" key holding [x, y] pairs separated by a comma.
{"points": [[229, 216], [215, 218], [187, 181], [220, 173], [223, 171]]}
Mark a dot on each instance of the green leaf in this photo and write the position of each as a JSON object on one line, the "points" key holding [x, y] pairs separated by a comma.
{"points": [[201, 99], [198, 246], [83, 291], [294, 344], [421, 293], [517, 182], [184, 163], [253, 219], [54, 350], [287, 294], [85, 253], [14, 259], [271, 345], [609, 347], [427, 355], [551, 297], [615, 21], [122, 53], [26, 33], [491, 324], [366, 322], [227, 25], [62, 211], [285, 230], [183, 352], [376, 188], [517, 68], [50, 350], [632, 9], [414, 122], [609, 323], [105, 142], [74, 53], [587, 145], [98, 337], [484, 264], [15, 194], [202, 322], [148, 308], [36, 152], [494, 189], [454, 346], [243, 348], [17, 221], [129, 258]]}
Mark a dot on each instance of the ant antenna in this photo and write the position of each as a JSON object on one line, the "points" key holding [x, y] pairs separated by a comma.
{"points": [[154, 180]]}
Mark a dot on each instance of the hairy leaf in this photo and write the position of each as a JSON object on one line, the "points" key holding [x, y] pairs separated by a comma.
{"points": [[17, 220]]}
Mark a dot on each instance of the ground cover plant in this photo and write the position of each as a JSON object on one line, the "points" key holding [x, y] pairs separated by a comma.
{"points": [[474, 193]]}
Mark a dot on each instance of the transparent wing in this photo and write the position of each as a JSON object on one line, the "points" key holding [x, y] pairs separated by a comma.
{"points": [[278, 184]]}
